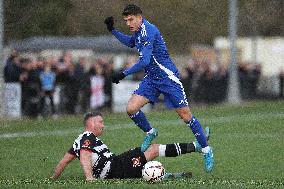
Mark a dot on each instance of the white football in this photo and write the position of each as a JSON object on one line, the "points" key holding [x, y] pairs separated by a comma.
{"points": [[153, 171]]}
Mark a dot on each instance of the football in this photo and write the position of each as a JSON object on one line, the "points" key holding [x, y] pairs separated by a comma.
{"points": [[153, 171]]}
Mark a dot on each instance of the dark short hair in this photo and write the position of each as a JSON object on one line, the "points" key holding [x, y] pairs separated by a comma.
{"points": [[131, 9], [89, 115]]}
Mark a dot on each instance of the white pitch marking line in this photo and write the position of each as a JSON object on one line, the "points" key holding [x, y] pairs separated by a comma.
{"points": [[227, 119]]}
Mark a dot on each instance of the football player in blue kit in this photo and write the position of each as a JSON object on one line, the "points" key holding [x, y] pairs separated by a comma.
{"points": [[161, 77]]}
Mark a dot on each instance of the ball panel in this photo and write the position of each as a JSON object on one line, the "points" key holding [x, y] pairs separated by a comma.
{"points": [[153, 171]]}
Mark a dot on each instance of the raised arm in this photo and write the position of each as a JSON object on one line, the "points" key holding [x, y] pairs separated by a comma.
{"points": [[127, 40], [124, 39], [62, 164]]}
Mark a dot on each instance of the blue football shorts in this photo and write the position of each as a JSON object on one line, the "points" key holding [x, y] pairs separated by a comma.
{"points": [[171, 88]]}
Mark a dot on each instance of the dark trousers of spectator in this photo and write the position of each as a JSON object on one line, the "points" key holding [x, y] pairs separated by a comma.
{"points": [[43, 104], [71, 97], [83, 100], [32, 99], [281, 94]]}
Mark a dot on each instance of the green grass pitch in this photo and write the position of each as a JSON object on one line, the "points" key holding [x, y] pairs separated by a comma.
{"points": [[248, 142]]}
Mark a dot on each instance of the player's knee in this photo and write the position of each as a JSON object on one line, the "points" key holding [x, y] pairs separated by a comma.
{"points": [[154, 149], [131, 110], [152, 152], [154, 146]]}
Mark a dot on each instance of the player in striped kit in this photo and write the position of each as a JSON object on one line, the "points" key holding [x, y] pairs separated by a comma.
{"points": [[161, 77], [98, 162]]}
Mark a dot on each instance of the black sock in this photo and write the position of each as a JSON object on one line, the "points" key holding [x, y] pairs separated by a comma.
{"points": [[176, 149]]}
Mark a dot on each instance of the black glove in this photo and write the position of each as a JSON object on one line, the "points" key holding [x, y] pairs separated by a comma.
{"points": [[117, 77], [109, 22]]}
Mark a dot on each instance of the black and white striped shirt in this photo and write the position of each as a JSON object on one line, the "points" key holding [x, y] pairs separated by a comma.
{"points": [[101, 155]]}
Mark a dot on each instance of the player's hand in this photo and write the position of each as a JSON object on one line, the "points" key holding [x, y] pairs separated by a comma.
{"points": [[109, 23], [90, 179], [53, 177], [117, 77]]}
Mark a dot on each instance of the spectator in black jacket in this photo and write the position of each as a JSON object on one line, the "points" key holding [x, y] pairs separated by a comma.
{"points": [[12, 69], [80, 85]]}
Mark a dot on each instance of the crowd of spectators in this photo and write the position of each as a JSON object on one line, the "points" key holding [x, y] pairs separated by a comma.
{"points": [[207, 83], [203, 82], [41, 76]]}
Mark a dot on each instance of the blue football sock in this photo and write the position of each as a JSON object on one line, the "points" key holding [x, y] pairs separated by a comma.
{"points": [[141, 121], [198, 132]]}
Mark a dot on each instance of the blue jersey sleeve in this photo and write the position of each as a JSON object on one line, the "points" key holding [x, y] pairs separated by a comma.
{"points": [[144, 56], [124, 39]]}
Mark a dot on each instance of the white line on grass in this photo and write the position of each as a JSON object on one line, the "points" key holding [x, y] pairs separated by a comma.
{"points": [[208, 120]]}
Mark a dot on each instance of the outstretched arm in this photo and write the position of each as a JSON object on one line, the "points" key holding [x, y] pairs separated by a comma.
{"points": [[62, 164], [86, 163]]}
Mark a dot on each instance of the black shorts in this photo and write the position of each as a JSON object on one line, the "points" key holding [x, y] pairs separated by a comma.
{"points": [[127, 165]]}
